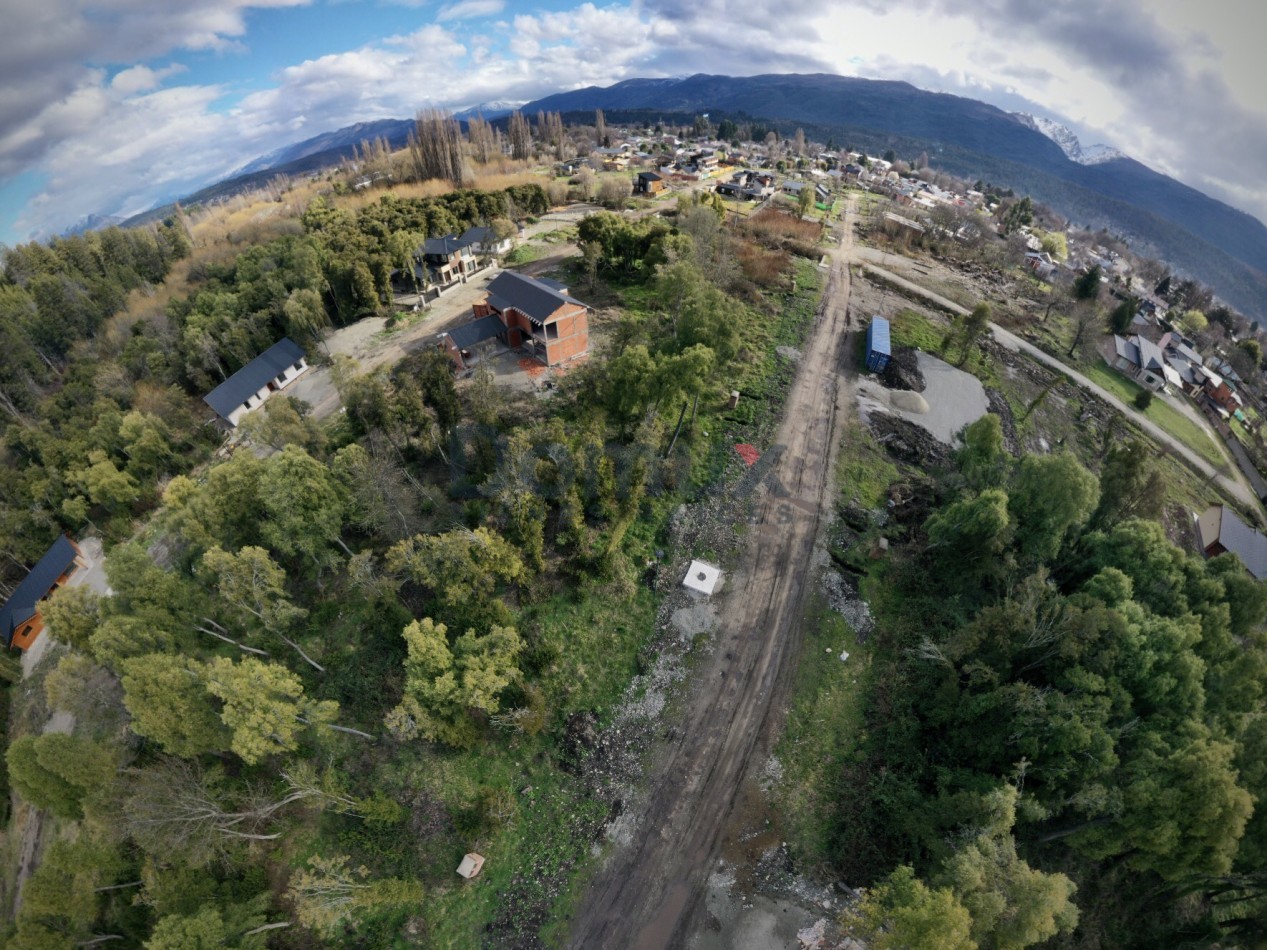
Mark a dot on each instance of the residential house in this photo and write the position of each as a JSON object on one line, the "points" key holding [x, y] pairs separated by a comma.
{"points": [[272, 371], [1220, 391], [538, 315], [793, 188], [1220, 530], [648, 183], [20, 619], [485, 242], [449, 259], [1143, 360], [1040, 263]]}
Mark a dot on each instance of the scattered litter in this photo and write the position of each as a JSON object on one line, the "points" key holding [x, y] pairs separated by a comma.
{"points": [[844, 655], [813, 936], [747, 452]]}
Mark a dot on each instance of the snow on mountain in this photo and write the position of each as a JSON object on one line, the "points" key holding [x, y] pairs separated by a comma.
{"points": [[490, 110], [1064, 137]]}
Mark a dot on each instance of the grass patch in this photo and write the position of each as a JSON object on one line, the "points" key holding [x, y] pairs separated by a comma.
{"points": [[823, 730], [863, 469], [588, 642], [525, 254], [914, 329], [1160, 412]]}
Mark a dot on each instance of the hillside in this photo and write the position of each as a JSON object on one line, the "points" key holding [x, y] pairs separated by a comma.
{"points": [[971, 137]]}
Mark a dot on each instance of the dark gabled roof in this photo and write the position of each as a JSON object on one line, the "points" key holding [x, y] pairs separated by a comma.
{"points": [[252, 377], [477, 235], [530, 296], [1126, 349], [443, 246], [21, 607], [1150, 354], [649, 176], [477, 331], [1243, 541]]}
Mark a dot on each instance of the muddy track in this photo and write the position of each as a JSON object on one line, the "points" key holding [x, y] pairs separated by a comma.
{"points": [[649, 893]]}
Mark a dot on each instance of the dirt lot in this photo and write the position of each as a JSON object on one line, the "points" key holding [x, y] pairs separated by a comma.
{"points": [[654, 890]]}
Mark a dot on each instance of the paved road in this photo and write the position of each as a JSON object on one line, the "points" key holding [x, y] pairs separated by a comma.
{"points": [[1234, 486], [650, 893]]}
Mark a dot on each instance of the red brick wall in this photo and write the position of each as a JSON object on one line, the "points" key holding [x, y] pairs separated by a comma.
{"points": [[573, 340]]}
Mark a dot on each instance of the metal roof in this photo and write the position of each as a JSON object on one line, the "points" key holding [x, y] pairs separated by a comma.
{"points": [[530, 296], [252, 377], [21, 607], [477, 331], [878, 335], [1243, 541]]}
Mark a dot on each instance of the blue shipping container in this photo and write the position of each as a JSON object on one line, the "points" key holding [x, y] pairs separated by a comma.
{"points": [[878, 345]]}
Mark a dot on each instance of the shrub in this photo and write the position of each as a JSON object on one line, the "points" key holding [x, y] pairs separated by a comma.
{"points": [[1143, 399]]}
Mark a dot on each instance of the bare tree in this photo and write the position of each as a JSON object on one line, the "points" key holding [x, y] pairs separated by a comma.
{"points": [[436, 147], [175, 806], [600, 127], [482, 138], [520, 136]]}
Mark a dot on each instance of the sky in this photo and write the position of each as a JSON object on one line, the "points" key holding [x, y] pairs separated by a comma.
{"points": [[114, 106]]}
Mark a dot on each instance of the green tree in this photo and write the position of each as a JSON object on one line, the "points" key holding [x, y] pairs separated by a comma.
{"points": [[444, 684], [1012, 905], [970, 329], [1056, 244], [105, 485], [1183, 810], [166, 695], [60, 772], [463, 571], [283, 421], [983, 458], [1051, 496], [72, 615], [328, 891], [1192, 322], [1087, 286], [972, 532], [1130, 485], [805, 200], [303, 506], [253, 587], [264, 706], [1122, 315], [903, 913]]}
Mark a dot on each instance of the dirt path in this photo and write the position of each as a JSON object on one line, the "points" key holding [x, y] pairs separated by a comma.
{"points": [[649, 894]]}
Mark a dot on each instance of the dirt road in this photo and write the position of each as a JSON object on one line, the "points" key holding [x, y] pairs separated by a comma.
{"points": [[649, 894]]}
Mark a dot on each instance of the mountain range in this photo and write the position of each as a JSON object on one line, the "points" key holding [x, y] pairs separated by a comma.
{"points": [[1094, 186]]}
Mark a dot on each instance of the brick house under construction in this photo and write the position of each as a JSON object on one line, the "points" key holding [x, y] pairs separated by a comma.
{"points": [[532, 313]]}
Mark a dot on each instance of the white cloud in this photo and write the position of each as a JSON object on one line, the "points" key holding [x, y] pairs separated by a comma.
{"points": [[470, 10], [1172, 83]]}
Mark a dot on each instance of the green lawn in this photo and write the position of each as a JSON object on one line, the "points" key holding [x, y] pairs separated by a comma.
{"points": [[1160, 412]]}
